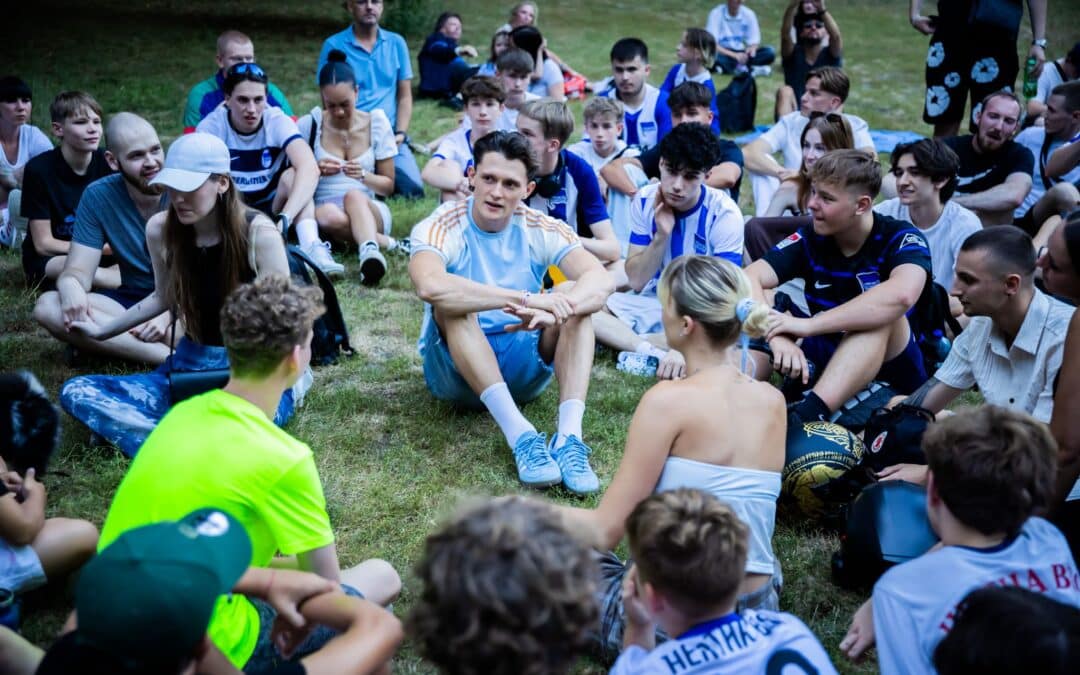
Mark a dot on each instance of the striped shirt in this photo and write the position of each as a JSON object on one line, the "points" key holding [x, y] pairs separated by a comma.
{"points": [[1018, 376]]}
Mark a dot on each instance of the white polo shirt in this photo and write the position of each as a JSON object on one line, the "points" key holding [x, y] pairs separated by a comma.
{"points": [[1020, 376]]}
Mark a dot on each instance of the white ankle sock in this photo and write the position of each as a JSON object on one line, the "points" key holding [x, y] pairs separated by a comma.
{"points": [[570, 414], [649, 349], [501, 405], [307, 232]]}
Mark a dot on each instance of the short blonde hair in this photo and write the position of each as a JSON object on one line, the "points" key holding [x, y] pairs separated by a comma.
{"points": [[602, 106], [554, 117], [710, 290], [857, 171]]}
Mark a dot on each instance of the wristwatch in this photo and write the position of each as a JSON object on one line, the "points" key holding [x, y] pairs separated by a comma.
{"points": [[1041, 42]]}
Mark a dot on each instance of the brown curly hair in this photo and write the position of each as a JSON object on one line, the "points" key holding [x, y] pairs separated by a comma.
{"points": [[262, 321], [506, 589], [690, 546]]}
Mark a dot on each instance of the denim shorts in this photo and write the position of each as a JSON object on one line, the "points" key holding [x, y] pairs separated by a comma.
{"points": [[266, 658], [518, 354]]}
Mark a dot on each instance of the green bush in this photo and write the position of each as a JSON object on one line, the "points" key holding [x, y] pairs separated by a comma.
{"points": [[412, 18]]}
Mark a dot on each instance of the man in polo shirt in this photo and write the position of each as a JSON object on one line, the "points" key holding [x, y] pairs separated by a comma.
{"points": [[1013, 347], [233, 47], [380, 59]]}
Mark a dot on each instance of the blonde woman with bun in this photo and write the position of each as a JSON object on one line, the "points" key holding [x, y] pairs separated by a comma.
{"points": [[716, 429]]}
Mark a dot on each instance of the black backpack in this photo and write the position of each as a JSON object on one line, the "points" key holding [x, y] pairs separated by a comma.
{"points": [[928, 319], [737, 104], [330, 336]]}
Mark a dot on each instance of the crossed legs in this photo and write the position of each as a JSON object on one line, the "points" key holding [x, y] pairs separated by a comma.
{"points": [[49, 314]]}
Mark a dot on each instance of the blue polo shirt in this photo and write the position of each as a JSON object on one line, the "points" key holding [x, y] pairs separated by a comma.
{"points": [[377, 71]]}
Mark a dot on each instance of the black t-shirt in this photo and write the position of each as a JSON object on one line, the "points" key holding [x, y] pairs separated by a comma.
{"points": [[981, 171], [51, 191], [796, 68], [729, 152], [833, 278]]}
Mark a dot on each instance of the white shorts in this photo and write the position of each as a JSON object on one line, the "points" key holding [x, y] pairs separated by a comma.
{"points": [[20, 568], [642, 312], [380, 206]]}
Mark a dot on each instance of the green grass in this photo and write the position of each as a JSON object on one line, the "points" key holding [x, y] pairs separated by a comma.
{"points": [[393, 460]]}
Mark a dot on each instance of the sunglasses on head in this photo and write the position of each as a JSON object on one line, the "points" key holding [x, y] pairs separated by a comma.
{"points": [[829, 116], [813, 24], [248, 69]]}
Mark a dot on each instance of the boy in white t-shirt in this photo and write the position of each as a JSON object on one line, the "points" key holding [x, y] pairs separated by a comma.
{"points": [[738, 38], [690, 551], [925, 173], [603, 131], [990, 471], [447, 170]]}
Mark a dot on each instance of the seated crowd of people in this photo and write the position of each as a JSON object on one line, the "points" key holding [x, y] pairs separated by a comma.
{"points": [[853, 289]]}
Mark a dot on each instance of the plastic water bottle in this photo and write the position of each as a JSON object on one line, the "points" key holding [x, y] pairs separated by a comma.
{"points": [[9, 609], [637, 363], [1031, 83]]}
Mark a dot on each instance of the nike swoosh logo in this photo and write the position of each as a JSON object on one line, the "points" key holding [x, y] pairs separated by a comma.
{"points": [[233, 159], [818, 285], [962, 181]]}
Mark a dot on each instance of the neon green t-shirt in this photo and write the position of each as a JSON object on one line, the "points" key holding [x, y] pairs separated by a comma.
{"points": [[218, 450]]}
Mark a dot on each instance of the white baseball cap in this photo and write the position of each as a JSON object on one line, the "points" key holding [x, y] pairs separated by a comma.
{"points": [[191, 159]]}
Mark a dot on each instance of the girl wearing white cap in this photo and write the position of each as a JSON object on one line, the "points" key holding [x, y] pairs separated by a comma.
{"points": [[202, 247]]}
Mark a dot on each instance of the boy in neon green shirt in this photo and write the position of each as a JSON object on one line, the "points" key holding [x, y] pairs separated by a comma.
{"points": [[222, 450]]}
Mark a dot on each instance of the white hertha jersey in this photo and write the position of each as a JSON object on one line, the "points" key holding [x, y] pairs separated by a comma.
{"points": [[753, 642], [257, 159]]}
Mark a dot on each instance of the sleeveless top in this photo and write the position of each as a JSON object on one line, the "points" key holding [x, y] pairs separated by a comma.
{"points": [[751, 494], [210, 294]]}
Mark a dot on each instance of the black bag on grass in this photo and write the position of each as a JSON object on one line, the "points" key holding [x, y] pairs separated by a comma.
{"points": [[737, 104], [330, 337]]}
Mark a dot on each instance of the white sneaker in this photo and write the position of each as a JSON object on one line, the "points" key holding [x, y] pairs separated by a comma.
{"points": [[319, 252], [372, 264], [761, 71]]}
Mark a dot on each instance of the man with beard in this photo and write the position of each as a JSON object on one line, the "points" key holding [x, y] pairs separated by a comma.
{"points": [[995, 171], [647, 117], [113, 211], [809, 50]]}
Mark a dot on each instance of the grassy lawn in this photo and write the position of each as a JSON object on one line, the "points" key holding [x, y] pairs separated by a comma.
{"points": [[393, 460]]}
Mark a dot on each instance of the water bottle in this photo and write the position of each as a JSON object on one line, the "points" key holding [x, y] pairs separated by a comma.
{"points": [[9, 609], [1031, 83], [637, 363]]}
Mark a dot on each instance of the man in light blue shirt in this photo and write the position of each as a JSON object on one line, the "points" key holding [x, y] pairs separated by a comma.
{"points": [[380, 59]]}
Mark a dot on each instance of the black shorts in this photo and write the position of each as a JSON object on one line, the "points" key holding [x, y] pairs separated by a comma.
{"points": [[127, 297], [966, 60]]}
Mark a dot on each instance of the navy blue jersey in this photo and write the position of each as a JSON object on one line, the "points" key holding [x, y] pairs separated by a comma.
{"points": [[833, 278]]}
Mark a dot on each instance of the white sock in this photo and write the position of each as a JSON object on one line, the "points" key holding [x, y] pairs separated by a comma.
{"points": [[365, 244], [307, 232], [501, 405], [649, 349], [570, 414]]}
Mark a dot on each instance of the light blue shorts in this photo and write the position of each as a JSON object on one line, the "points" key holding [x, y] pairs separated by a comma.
{"points": [[525, 372]]}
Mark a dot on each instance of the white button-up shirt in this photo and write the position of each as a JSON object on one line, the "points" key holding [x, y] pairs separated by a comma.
{"points": [[1020, 376]]}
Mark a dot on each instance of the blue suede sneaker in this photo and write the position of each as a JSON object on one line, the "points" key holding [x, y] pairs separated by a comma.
{"points": [[573, 459], [536, 468]]}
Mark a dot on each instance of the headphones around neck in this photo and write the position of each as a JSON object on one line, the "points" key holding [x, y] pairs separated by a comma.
{"points": [[548, 186]]}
